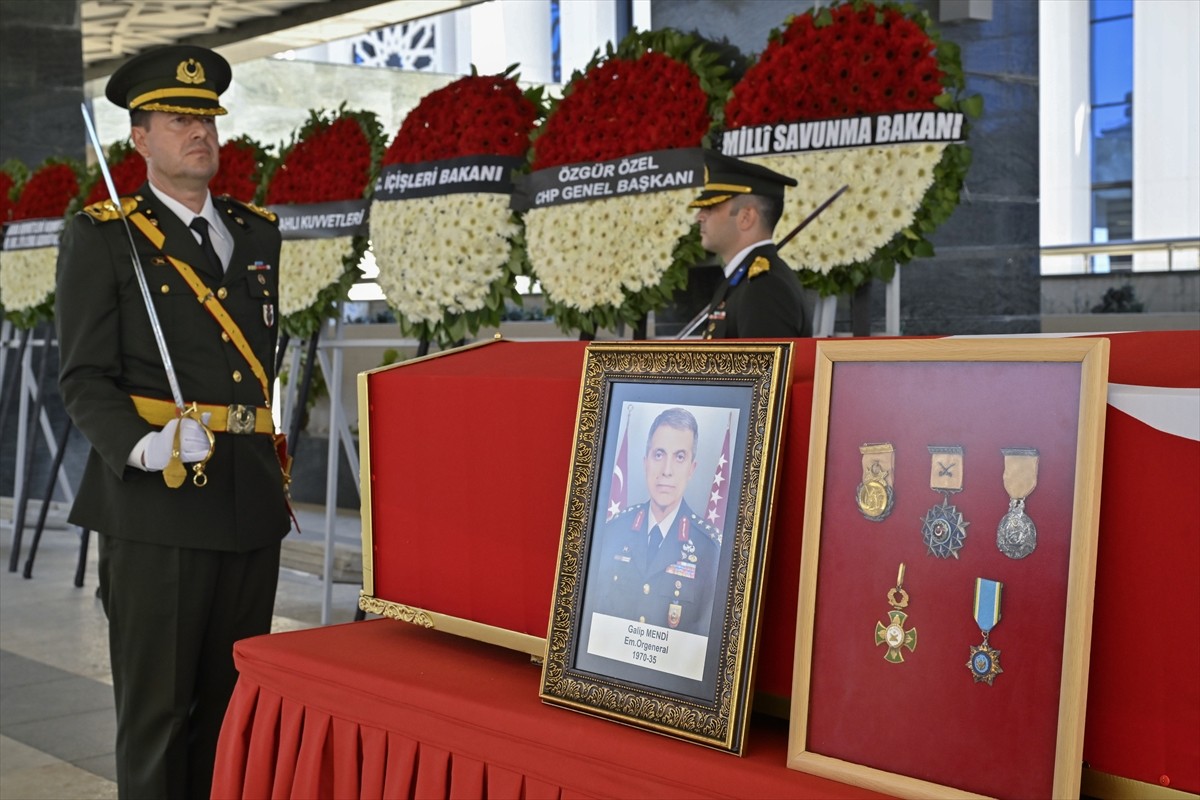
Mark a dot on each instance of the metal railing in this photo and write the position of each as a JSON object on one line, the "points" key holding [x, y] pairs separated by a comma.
{"points": [[1087, 251]]}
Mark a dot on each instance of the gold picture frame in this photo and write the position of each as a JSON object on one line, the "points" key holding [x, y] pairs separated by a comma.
{"points": [[982, 686], [675, 652]]}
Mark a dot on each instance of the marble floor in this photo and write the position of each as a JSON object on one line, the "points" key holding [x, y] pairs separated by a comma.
{"points": [[57, 724]]}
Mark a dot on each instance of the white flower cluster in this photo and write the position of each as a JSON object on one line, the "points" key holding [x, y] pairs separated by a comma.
{"points": [[597, 252], [440, 255], [886, 183], [27, 277], [307, 267]]}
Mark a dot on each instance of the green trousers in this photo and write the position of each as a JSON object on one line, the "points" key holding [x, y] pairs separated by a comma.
{"points": [[173, 616]]}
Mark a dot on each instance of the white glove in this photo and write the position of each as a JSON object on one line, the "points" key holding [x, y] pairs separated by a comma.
{"points": [[193, 444]]}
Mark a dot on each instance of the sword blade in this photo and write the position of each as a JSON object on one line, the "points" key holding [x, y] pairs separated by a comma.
{"points": [[155, 325]]}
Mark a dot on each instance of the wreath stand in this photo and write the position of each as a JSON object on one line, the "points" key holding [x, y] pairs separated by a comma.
{"points": [[293, 405], [31, 387]]}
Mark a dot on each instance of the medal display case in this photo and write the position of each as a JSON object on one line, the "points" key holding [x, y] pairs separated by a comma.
{"points": [[948, 567]]}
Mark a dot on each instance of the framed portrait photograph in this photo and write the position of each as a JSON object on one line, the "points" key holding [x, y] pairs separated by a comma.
{"points": [[948, 565], [665, 534]]}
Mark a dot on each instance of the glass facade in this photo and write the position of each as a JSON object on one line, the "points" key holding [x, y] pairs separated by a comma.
{"points": [[1111, 100]]}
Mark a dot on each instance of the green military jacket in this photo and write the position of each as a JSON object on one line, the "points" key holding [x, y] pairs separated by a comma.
{"points": [[108, 353]]}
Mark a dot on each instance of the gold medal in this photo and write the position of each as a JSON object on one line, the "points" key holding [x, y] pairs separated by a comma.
{"points": [[894, 633], [875, 494], [1016, 536]]}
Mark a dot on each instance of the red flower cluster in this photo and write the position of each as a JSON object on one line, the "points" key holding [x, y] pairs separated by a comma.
{"points": [[47, 193], [625, 106], [867, 61], [128, 173], [475, 115], [332, 162], [6, 203], [239, 173]]}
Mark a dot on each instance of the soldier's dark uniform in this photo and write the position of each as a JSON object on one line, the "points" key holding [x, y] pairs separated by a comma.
{"points": [[761, 297], [674, 587], [184, 572]]}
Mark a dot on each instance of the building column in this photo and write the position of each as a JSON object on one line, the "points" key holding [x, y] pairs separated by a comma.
{"points": [[41, 81]]}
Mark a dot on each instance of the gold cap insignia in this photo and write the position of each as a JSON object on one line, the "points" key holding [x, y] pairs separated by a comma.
{"points": [[190, 71], [758, 267]]}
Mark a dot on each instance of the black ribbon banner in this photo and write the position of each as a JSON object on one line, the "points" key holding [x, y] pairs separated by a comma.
{"points": [[486, 173], [27, 234], [906, 127], [641, 173], [322, 220]]}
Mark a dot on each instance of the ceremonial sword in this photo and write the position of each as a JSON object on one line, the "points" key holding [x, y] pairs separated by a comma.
{"points": [[175, 472], [699, 318]]}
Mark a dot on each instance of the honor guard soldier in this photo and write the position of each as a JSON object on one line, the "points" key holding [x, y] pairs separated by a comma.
{"points": [[156, 380], [659, 559], [761, 295]]}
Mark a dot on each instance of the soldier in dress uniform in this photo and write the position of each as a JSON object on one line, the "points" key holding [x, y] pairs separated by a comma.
{"points": [[659, 559], [761, 295], [185, 571]]}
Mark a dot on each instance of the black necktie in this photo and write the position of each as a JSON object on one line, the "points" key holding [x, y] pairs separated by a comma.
{"points": [[653, 540], [200, 226]]}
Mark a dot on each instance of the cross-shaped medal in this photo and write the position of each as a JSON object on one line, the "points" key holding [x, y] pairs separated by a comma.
{"points": [[894, 633]]}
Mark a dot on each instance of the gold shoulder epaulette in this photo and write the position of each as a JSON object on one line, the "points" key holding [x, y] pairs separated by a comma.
{"points": [[106, 210], [758, 267], [265, 213]]}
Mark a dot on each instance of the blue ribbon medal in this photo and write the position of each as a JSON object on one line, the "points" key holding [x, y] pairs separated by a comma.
{"points": [[985, 660]]}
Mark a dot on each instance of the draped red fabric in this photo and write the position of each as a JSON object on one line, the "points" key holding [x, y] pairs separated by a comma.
{"points": [[412, 713], [386, 709]]}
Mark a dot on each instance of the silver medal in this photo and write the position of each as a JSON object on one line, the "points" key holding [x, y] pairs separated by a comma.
{"points": [[1016, 536]]}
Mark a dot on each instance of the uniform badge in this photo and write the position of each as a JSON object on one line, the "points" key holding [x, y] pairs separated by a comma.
{"points": [[269, 314], [190, 71], [674, 614], [758, 267]]}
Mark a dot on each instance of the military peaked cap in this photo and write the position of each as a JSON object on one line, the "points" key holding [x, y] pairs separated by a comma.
{"points": [[181, 79], [726, 177]]}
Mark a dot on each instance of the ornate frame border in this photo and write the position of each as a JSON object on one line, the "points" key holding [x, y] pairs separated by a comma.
{"points": [[719, 720]]}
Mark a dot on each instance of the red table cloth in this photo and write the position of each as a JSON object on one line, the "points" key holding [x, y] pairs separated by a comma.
{"points": [[386, 709]]}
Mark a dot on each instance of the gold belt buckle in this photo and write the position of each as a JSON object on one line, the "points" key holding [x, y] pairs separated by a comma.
{"points": [[241, 419]]}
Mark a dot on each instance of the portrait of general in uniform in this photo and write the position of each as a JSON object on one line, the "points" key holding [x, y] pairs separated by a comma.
{"points": [[657, 557]]}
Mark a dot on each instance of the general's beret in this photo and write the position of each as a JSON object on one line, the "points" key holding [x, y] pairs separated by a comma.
{"points": [[726, 177], [179, 79]]}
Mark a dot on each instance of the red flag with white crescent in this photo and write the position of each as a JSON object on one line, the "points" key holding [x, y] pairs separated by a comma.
{"points": [[618, 493]]}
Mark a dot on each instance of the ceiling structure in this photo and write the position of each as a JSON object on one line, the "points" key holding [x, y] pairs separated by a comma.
{"points": [[241, 30]]}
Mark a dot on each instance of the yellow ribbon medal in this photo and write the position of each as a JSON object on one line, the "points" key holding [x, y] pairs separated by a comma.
{"points": [[1016, 535]]}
